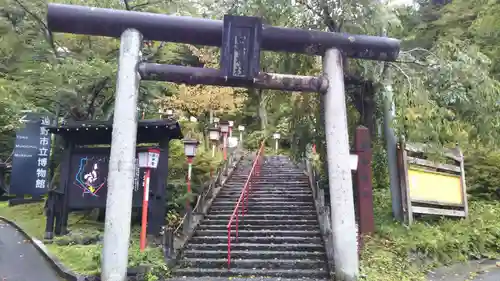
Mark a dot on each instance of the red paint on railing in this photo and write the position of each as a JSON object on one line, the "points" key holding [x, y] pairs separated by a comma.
{"points": [[242, 203]]}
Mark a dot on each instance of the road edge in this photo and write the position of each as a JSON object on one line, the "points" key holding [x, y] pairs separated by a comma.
{"points": [[54, 262]]}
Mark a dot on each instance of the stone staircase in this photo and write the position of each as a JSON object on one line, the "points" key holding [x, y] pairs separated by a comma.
{"points": [[279, 236]]}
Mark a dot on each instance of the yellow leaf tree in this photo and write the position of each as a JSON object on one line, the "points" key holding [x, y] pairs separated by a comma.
{"points": [[200, 100]]}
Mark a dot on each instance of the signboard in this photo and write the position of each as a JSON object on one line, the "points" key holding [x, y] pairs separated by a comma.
{"points": [[30, 162], [435, 187], [432, 188], [353, 161], [87, 186], [232, 142]]}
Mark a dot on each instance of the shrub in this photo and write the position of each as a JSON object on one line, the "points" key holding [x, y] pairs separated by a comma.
{"points": [[482, 173]]}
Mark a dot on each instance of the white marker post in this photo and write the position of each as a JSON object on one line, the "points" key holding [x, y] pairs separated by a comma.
{"points": [[122, 160], [241, 128], [231, 124], [345, 247], [214, 136], [276, 137]]}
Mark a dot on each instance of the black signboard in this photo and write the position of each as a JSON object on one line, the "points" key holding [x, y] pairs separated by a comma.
{"points": [[30, 163], [87, 185]]}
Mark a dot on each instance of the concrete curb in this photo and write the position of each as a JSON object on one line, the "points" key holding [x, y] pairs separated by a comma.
{"points": [[58, 267]]}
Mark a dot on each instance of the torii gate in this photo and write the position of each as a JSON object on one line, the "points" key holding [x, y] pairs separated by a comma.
{"points": [[241, 40]]}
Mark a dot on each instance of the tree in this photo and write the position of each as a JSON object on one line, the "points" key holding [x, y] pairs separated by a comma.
{"points": [[203, 100]]}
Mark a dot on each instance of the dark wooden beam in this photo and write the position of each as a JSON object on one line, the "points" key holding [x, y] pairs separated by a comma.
{"points": [[210, 76], [197, 31]]}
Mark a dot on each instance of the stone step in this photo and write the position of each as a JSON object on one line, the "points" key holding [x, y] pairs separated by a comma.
{"points": [[243, 272], [272, 173], [255, 254], [273, 178], [295, 191], [313, 247], [268, 187], [273, 181], [277, 175], [249, 233], [262, 222], [255, 239], [265, 203], [251, 211], [262, 264], [280, 170], [257, 200], [254, 278], [268, 190], [273, 217], [288, 188], [264, 207], [261, 194], [269, 197], [256, 227], [261, 205]]}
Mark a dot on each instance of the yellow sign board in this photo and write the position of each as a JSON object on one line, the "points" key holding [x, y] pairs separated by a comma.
{"points": [[435, 187]]}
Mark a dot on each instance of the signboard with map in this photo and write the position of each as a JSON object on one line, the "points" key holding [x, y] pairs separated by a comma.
{"points": [[87, 186]]}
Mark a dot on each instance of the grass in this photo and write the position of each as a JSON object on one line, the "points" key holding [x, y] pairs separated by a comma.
{"points": [[399, 253], [83, 259]]}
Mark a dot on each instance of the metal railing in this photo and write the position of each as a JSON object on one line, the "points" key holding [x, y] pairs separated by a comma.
{"points": [[241, 206]]}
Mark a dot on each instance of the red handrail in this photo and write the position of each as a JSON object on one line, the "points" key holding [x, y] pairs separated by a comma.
{"points": [[242, 203]]}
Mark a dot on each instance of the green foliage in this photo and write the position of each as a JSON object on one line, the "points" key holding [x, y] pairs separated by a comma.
{"points": [[380, 171], [254, 139], [482, 173], [398, 253], [202, 165]]}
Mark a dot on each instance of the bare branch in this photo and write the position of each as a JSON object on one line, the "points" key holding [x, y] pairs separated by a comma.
{"points": [[328, 20], [127, 5], [45, 29], [145, 4], [310, 8], [405, 75], [156, 53], [419, 50], [96, 90]]}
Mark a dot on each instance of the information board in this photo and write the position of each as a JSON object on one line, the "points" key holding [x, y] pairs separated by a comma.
{"points": [[30, 162], [432, 187], [87, 186]]}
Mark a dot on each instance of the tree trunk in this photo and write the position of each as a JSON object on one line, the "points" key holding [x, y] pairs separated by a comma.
{"points": [[364, 101], [262, 109]]}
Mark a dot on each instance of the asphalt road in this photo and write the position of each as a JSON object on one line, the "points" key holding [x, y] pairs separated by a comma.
{"points": [[20, 260], [485, 270]]}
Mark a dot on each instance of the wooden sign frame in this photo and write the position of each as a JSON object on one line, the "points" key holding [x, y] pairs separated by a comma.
{"points": [[410, 161]]}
